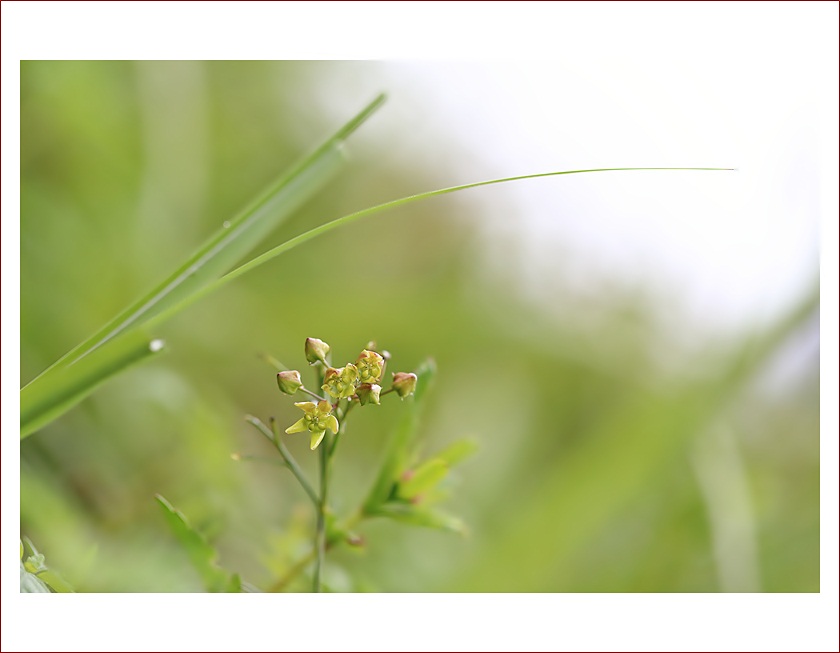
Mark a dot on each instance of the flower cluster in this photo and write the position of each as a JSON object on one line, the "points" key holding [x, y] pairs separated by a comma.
{"points": [[355, 382]]}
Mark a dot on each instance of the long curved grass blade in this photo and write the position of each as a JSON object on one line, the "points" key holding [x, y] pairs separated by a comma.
{"points": [[65, 383], [234, 240], [41, 403], [194, 280], [358, 215]]}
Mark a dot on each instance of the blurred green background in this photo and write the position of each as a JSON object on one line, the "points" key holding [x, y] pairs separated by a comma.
{"points": [[600, 468]]}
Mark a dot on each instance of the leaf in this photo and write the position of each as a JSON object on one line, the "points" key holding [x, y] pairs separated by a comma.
{"points": [[457, 451], [30, 583], [55, 582], [396, 456], [364, 213], [58, 392], [424, 478], [419, 516], [201, 554], [215, 257]]}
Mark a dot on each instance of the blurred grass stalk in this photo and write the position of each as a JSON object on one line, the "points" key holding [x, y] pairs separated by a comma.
{"points": [[67, 381], [631, 447]]}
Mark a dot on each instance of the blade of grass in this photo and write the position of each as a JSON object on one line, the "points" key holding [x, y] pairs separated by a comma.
{"points": [[624, 455], [364, 213], [234, 240], [41, 403], [64, 384], [154, 310], [358, 215]]}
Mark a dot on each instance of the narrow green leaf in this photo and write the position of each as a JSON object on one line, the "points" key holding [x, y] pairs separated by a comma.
{"points": [[201, 554], [30, 583], [55, 582], [237, 237], [424, 478], [457, 451], [221, 251], [417, 516], [399, 446], [41, 403], [358, 215]]}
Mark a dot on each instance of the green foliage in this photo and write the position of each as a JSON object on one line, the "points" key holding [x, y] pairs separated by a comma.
{"points": [[587, 460], [36, 576], [55, 393], [401, 442], [202, 556], [61, 386]]}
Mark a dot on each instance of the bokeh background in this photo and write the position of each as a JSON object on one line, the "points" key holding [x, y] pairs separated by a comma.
{"points": [[637, 354]]}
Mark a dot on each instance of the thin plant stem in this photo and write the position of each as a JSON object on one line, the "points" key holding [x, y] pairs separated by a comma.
{"points": [[293, 572], [302, 563], [288, 459], [341, 424], [258, 459], [312, 394], [321, 530], [321, 506]]}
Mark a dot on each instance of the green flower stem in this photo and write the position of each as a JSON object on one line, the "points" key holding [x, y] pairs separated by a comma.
{"points": [[341, 425], [288, 459], [321, 505], [321, 530], [297, 568], [312, 394], [259, 459]]}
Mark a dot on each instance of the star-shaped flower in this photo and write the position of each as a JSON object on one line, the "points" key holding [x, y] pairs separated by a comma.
{"points": [[317, 420]]}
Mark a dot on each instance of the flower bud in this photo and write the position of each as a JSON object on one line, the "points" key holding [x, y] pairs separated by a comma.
{"points": [[289, 381], [404, 383], [316, 351], [368, 393]]}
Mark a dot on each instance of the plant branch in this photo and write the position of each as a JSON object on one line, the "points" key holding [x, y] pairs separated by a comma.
{"points": [[280, 584], [312, 394], [321, 506], [274, 437]]}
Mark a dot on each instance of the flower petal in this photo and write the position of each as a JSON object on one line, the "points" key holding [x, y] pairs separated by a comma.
{"points": [[331, 423], [298, 426], [307, 407], [324, 407], [315, 439]]}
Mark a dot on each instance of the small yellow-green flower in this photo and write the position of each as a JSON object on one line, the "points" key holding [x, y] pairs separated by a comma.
{"points": [[370, 366], [341, 382], [317, 420]]}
